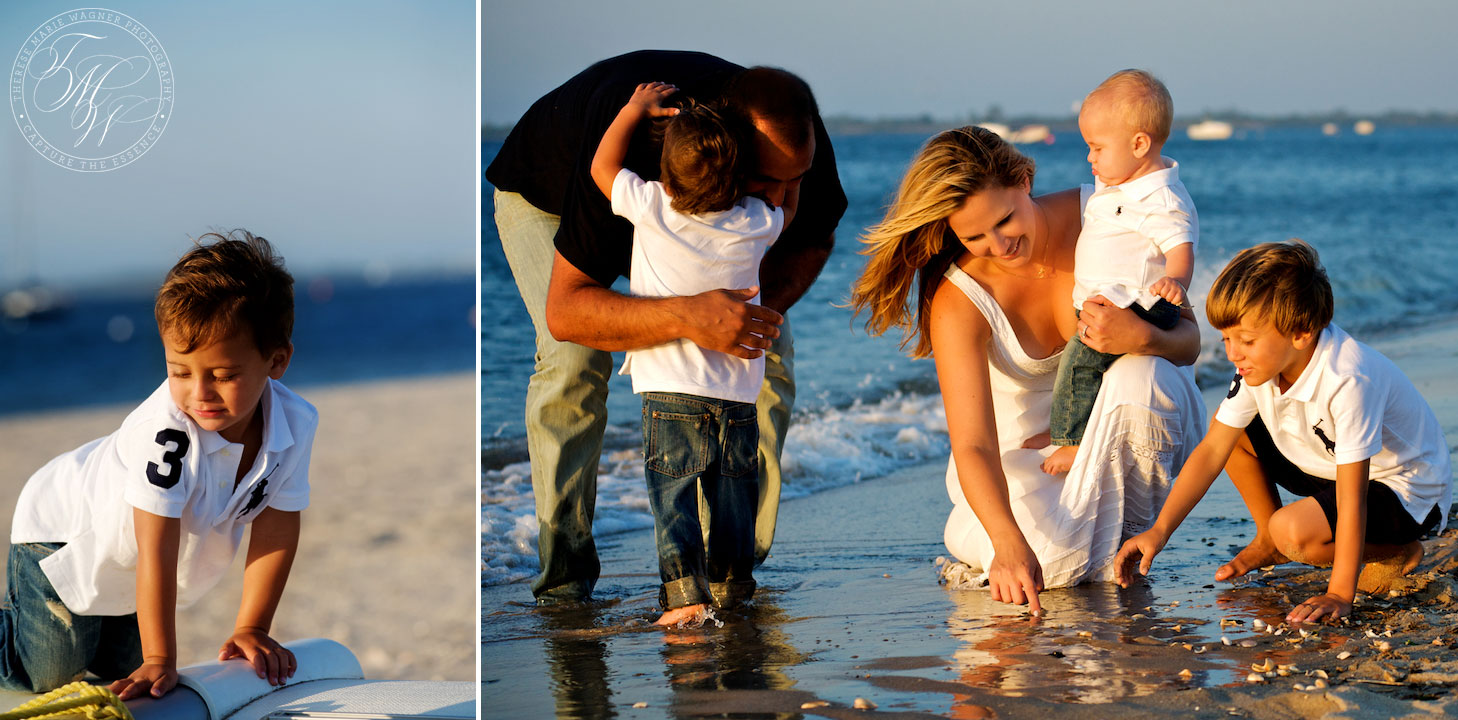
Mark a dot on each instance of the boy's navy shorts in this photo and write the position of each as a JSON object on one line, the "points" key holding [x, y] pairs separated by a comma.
{"points": [[1388, 522]]}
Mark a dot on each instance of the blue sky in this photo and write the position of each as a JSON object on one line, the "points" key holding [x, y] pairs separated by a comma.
{"points": [[345, 132], [952, 57]]}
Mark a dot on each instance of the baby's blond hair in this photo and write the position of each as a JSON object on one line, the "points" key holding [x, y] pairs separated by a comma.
{"points": [[1140, 99]]}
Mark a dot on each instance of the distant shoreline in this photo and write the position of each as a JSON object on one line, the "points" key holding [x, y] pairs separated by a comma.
{"points": [[926, 124]]}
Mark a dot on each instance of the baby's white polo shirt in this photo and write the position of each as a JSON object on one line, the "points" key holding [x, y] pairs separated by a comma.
{"points": [[1127, 229], [676, 254], [1351, 403], [161, 462]]}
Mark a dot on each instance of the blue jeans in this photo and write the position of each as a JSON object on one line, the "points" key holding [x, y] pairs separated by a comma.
{"points": [[42, 645], [1081, 374], [696, 446], [566, 413]]}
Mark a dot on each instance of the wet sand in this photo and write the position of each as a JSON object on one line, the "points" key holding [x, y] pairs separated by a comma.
{"points": [[849, 608], [387, 557]]}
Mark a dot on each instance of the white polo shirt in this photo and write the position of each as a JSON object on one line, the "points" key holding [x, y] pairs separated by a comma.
{"points": [[1127, 229], [160, 461], [1351, 403], [676, 254]]}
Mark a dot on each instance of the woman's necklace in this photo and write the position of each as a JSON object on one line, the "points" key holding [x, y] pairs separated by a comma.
{"points": [[1042, 261], [1042, 269]]}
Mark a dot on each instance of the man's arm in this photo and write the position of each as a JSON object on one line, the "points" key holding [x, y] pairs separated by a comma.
{"points": [[272, 544], [157, 541], [583, 311]]}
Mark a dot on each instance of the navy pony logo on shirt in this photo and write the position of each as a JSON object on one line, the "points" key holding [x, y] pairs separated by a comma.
{"points": [[1234, 387], [1328, 442], [256, 498]]}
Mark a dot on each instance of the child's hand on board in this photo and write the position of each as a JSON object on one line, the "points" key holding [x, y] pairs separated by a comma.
{"points": [[155, 677], [1170, 289], [650, 97], [270, 660], [1139, 549]]}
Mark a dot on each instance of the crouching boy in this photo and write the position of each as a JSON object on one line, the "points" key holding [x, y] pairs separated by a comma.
{"points": [[1321, 415], [111, 538]]}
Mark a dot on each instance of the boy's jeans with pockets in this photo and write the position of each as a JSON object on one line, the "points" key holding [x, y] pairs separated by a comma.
{"points": [[695, 444]]}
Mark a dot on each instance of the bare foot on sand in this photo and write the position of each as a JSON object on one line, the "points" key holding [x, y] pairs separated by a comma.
{"points": [[1258, 554], [681, 615], [1061, 460], [1380, 572]]}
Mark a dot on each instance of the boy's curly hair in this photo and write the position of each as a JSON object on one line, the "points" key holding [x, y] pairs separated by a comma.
{"points": [[1280, 282], [701, 162], [227, 283]]}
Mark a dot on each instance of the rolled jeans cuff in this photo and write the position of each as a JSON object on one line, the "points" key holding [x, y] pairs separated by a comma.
{"points": [[732, 593], [684, 592]]}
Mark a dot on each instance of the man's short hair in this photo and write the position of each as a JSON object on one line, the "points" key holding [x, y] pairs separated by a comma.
{"points": [[777, 97], [1141, 99], [227, 283], [1280, 282]]}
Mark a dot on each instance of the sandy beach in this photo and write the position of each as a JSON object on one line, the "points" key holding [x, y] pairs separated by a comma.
{"points": [[387, 560], [849, 612]]}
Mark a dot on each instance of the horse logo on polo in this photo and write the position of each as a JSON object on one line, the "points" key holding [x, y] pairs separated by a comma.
{"points": [[259, 492], [1328, 442]]}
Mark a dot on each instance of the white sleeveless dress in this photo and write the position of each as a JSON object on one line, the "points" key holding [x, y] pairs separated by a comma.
{"points": [[1147, 419]]}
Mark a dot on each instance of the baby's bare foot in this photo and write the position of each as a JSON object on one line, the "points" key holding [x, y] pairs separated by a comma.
{"points": [[1061, 460], [1258, 554]]}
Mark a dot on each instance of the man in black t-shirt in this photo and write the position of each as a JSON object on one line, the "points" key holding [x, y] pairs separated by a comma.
{"points": [[566, 248]]}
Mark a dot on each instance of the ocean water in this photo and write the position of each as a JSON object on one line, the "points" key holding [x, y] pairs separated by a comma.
{"points": [[103, 348], [1381, 209]]}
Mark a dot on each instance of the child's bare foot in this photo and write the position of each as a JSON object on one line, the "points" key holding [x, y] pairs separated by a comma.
{"points": [[680, 615], [1380, 572], [1258, 554], [1061, 460]]}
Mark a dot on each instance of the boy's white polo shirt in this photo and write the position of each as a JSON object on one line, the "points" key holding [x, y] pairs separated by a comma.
{"points": [[676, 254], [1127, 229], [161, 462], [1351, 403]]}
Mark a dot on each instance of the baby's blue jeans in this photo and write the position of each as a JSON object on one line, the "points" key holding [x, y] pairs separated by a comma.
{"points": [[696, 445], [1081, 374], [43, 645]]}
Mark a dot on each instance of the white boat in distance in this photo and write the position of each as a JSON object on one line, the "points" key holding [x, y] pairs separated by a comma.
{"points": [[1210, 130]]}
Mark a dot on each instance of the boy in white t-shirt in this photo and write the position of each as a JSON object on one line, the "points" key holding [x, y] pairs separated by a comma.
{"points": [[1137, 246], [111, 538], [694, 231], [1321, 415]]}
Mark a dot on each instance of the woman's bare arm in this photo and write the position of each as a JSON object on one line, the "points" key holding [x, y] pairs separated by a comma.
{"points": [[959, 335]]}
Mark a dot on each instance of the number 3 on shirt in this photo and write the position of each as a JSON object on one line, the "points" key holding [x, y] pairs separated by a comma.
{"points": [[173, 458]]}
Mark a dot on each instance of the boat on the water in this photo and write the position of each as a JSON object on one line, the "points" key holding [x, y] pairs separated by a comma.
{"points": [[1210, 130]]}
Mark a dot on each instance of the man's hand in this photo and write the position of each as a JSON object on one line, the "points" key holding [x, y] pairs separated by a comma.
{"points": [[1170, 289], [1141, 549], [155, 677], [725, 320], [272, 661]]}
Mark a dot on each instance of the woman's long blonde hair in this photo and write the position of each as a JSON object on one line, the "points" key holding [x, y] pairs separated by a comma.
{"points": [[913, 244]]}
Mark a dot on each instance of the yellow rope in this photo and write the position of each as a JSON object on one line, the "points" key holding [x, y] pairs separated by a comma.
{"points": [[79, 699]]}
